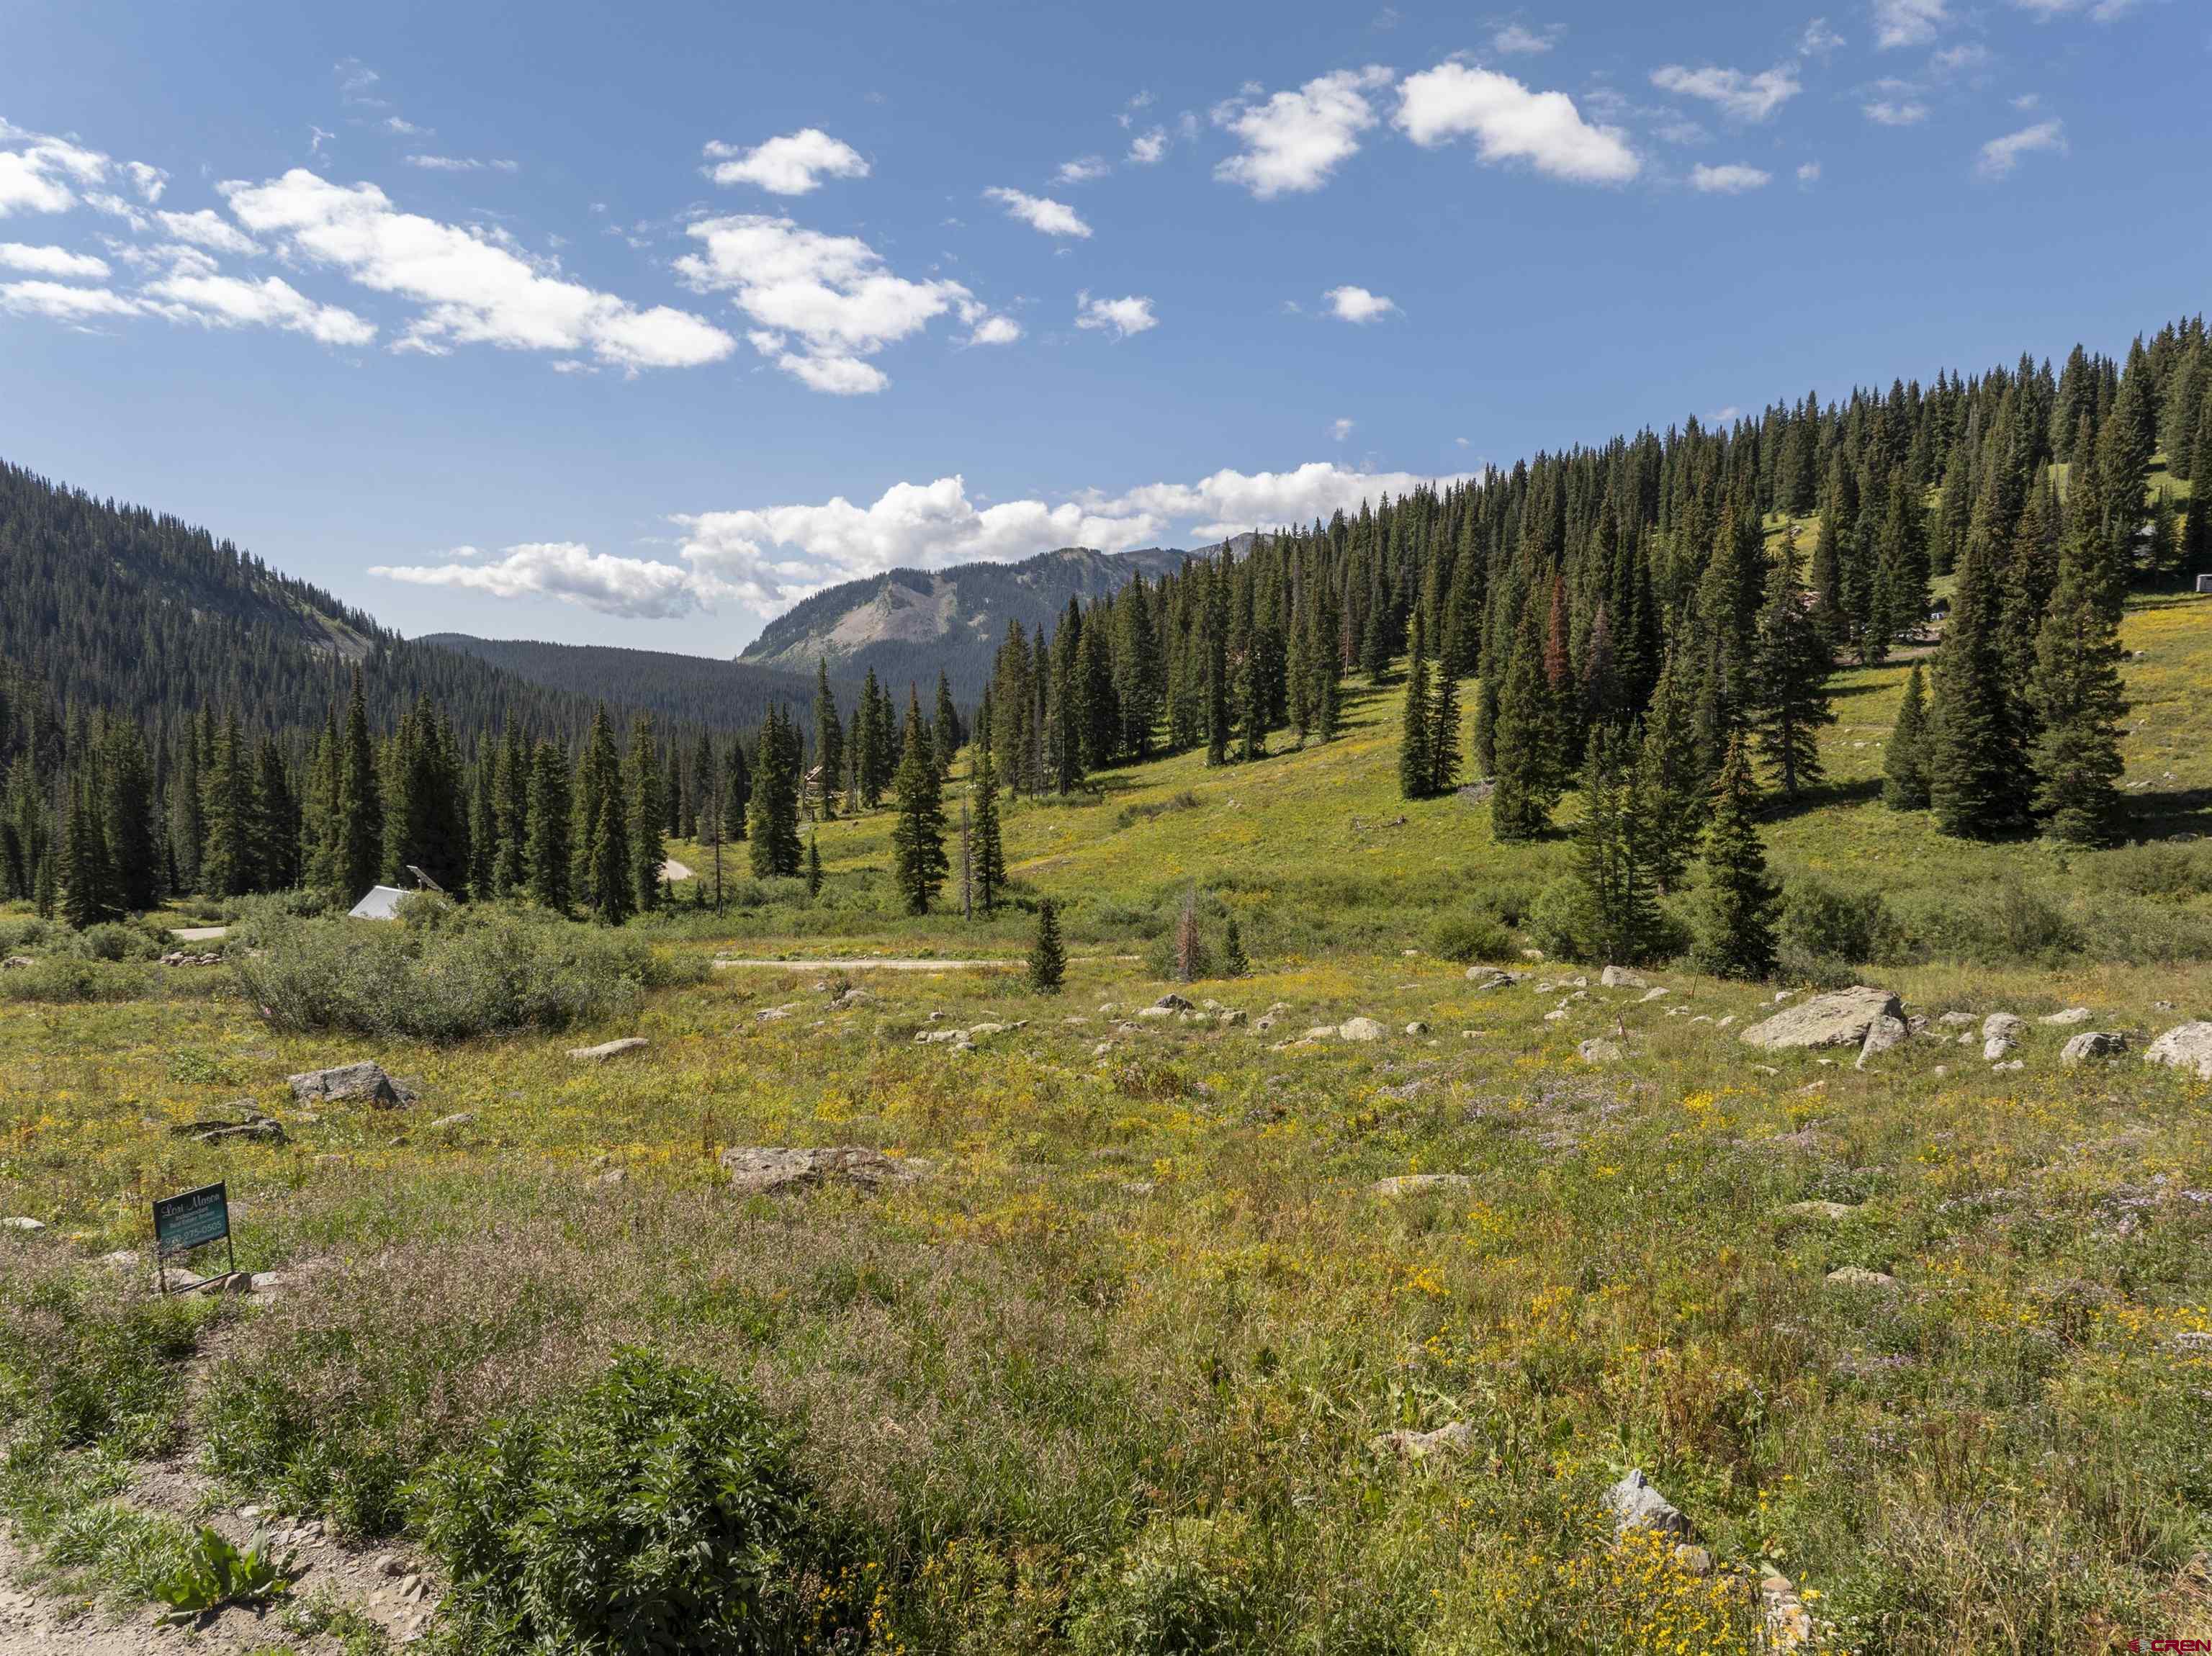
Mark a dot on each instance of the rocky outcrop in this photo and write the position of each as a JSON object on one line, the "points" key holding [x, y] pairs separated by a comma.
{"points": [[1841, 1019], [607, 1049], [352, 1083], [1636, 1506], [2093, 1043], [761, 1169], [2185, 1046]]}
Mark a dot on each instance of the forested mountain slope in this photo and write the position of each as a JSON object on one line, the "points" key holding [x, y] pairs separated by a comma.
{"points": [[693, 690]]}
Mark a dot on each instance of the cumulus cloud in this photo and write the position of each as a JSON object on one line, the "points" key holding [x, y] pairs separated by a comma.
{"points": [[995, 331], [44, 175], [2101, 11], [1149, 146], [1907, 22], [1341, 429], [210, 230], [1809, 174], [1083, 169], [1740, 97], [63, 303], [792, 165], [1130, 315], [634, 588], [1509, 122], [1887, 112], [460, 164], [1818, 39], [1051, 218], [822, 304], [2000, 156], [222, 301], [1732, 179], [1358, 305], [1293, 141], [51, 262], [473, 288]]}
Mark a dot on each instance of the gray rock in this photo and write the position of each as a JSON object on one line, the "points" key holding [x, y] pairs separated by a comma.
{"points": [[2093, 1043], [1491, 977], [2185, 1046], [1598, 1050], [941, 1038], [123, 1260], [1173, 1003], [24, 1224], [1417, 1027], [1957, 1020], [2003, 1026], [1884, 1033], [757, 1170], [1155, 1014], [449, 1123], [363, 1083], [2072, 1014], [1362, 1028], [1418, 1446], [774, 1014], [1619, 977], [2016, 1063], [261, 1131], [1636, 1506], [1421, 1183], [1860, 1277], [1653, 994], [1234, 1016], [607, 1049], [1841, 1019]]}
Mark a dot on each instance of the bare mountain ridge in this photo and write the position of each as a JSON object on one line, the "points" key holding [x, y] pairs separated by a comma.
{"points": [[907, 624]]}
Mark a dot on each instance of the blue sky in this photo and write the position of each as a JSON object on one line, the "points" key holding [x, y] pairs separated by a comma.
{"points": [[635, 325]]}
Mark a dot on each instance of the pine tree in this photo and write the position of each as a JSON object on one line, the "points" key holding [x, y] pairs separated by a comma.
{"points": [[275, 831], [1234, 963], [737, 794], [829, 739], [2078, 702], [1444, 733], [1975, 759], [1612, 863], [598, 780], [813, 865], [646, 804], [1737, 936], [612, 895], [1523, 740], [483, 826], [1048, 961], [127, 805], [228, 869], [988, 856], [1791, 669], [511, 803], [89, 893], [944, 728], [918, 840], [1415, 758], [549, 864], [1905, 780]]}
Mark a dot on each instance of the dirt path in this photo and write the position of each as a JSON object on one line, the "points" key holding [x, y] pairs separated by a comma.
{"points": [[198, 934]]}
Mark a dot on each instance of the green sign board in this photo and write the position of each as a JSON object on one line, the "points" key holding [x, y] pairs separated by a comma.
{"points": [[188, 1220]]}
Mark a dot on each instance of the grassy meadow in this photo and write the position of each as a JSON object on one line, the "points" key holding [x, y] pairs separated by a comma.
{"points": [[1114, 1372]]}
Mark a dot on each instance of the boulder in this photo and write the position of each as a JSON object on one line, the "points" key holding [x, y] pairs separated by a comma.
{"points": [[1956, 1020], [2093, 1043], [24, 1224], [1417, 1027], [1840, 1019], [2003, 1026], [758, 1170], [365, 1084], [1173, 1003], [452, 1123], [1636, 1506], [1418, 1446], [607, 1049], [1600, 1050], [772, 1014], [1359, 1029], [1884, 1033], [1860, 1277], [1491, 977], [941, 1037], [851, 998], [1157, 1014], [2185, 1046], [1652, 994], [1421, 1183], [1619, 977], [2072, 1014]]}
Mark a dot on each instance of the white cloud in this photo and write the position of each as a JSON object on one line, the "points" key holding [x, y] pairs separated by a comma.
{"points": [[222, 301], [1149, 146], [210, 230], [460, 164], [1051, 218], [1732, 179], [1083, 169], [404, 128], [1229, 503], [637, 588], [1907, 22], [51, 262], [1818, 39], [1341, 429], [39, 177], [792, 165], [1121, 316], [2101, 11], [995, 331], [66, 304], [149, 181], [472, 288], [1999, 156], [1956, 60], [1739, 96], [1809, 173], [2026, 101], [1514, 38], [1293, 141], [1358, 305], [1510, 122], [831, 294], [1883, 113]]}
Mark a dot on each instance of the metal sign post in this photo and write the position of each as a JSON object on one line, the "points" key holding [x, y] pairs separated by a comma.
{"points": [[189, 1220]]}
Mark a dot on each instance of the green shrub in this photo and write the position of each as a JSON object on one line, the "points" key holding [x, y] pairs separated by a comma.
{"points": [[65, 978], [1130, 816], [1564, 921], [2157, 870], [1820, 922], [18, 935], [1185, 1586], [1465, 938], [449, 974], [657, 1511], [113, 941], [86, 1362]]}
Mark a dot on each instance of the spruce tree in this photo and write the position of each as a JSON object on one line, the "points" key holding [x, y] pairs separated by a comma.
{"points": [[276, 835], [736, 792], [1735, 938], [1612, 863], [646, 803], [1905, 779], [549, 864], [1790, 680], [88, 895], [612, 896], [988, 853], [598, 780], [1444, 733], [484, 825], [1048, 961], [1234, 962], [360, 854], [511, 803], [918, 839], [2078, 702], [813, 865], [127, 805], [1975, 760], [228, 869], [829, 739], [945, 727], [1526, 767], [1415, 760]]}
